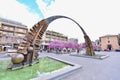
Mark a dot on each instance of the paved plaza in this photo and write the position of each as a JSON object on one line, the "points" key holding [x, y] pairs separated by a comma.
{"points": [[92, 69]]}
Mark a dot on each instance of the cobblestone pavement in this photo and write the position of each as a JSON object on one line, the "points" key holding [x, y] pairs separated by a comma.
{"points": [[93, 69]]}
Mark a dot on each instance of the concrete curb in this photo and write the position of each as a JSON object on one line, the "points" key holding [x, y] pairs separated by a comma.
{"points": [[62, 73], [80, 55]]}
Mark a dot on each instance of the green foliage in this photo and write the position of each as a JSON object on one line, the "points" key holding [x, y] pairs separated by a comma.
{"points": [[45, 65]]}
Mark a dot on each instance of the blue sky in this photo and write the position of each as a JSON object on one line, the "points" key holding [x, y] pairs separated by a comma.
{"points": [[34, 8]]}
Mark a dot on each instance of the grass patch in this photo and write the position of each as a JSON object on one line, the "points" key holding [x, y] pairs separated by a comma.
{"points": [[45, 65]]}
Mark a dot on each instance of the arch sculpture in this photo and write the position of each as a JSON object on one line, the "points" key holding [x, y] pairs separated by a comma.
{"points": [[34, 35]]}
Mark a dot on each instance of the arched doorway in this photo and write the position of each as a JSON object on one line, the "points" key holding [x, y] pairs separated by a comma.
{"points": [[109, 47]]}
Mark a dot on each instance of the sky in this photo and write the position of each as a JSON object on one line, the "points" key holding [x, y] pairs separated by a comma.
{"points": [[97, 17]]}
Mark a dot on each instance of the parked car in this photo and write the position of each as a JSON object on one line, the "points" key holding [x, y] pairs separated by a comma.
{"points": [[117, 50]]}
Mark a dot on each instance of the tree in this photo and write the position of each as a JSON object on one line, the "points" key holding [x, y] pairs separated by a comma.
{"points": [[83, 45], [55, 44], [77, 46]]}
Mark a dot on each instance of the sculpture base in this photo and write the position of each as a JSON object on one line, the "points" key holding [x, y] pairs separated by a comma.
{"points": [[21, 65], [15, 66]]}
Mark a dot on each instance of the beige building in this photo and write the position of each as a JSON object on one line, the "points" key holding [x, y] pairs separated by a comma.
{"points": [[11, 31], [109, 42], [50, 36]]}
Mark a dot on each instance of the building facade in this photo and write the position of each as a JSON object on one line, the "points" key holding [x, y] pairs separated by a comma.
{"points": [[11, 31], [73, 40], [50, 36], [109, 42]]}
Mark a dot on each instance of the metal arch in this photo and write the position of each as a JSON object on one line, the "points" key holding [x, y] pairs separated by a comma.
{"points": [[89, 49], [52, 18], [32, 41]]}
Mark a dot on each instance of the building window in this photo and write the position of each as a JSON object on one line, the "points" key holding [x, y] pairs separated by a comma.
{"points": [[11, 29], [0, 33], [5, 33], [20, 35], [10, 34], [5, 27], [20, 30]]}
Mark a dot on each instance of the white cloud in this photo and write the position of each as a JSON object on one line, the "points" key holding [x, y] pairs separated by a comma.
{"points": [[11, 9], [97, 17]]}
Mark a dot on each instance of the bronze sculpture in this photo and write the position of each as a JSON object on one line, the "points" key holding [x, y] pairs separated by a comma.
{"points": [[32, 40]]}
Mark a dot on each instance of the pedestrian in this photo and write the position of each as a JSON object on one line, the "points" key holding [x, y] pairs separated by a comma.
{"points": [[78, 51]]}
